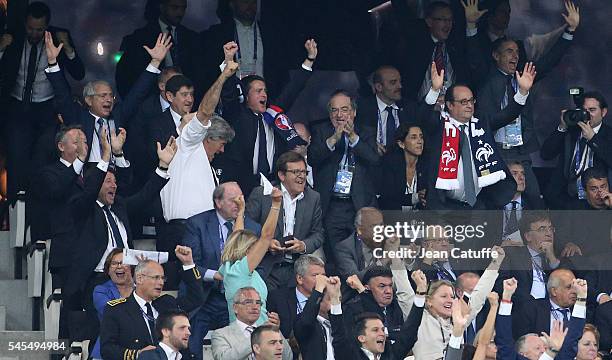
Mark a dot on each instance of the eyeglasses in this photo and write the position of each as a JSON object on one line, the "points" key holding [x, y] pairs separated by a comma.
{"points": [[298, 172], [250, 302], [156, 277], [342, 110], [466, 101], [542, 229], [116, 263]]}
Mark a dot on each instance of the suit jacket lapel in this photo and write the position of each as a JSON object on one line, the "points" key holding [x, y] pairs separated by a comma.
{"points": [[136, 313], [214, 235], [359, 252]]}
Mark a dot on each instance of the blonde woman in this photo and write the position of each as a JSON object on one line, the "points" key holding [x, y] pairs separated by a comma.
{"points": [[242, 254]]}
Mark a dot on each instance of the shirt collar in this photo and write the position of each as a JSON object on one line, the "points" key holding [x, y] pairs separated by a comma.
{"points": [[164, 26], [382, 106], [141, 302], [175, 116], [301, 298], [532, 252], [243, 326], [433, 38], [222, 221], [170, 353], [65, 162], [502, 71], [596, 128], [369, 354], [96, 117], [100, 204], [456, 122], [164, 103], [239, 24], [554, 306], [287, 196]]}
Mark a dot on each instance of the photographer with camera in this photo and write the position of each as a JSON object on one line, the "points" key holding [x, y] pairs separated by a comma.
{"points": [[582, 141]]}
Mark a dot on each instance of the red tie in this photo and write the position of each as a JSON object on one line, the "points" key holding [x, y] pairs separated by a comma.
{"points": [[439, 56]]}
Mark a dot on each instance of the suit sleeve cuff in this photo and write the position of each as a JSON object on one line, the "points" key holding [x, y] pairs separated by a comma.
{"points": [[579, 311], [560, 129], [162, 174], [455, 342], [505, 309], [336, 309], [520, 98], [567, 36], [188, 267], [355, 143], [432, 96], [52, 69], [471, 32], [209, 275], [122, 162], [199, 126], [599, 296], [307, 68], [102, 165], [153, 69], [222, 66], [77, 165], [419, 301]]}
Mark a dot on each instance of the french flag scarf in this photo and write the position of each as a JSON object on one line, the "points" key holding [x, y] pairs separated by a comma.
{"points": [[282, 125], [489, 165]]}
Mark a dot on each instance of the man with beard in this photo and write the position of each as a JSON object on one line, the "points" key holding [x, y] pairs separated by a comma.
{"points": [[172, 329]]}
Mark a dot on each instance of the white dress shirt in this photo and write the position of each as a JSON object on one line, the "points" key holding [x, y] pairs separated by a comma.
{"points": [[328, 336], [538, 286], [244, 327], [171, 354], [77, 165], [191, 184], [112, 242], [301, 300], [383, 116], [143, 307], [163, 103], [289, 206], [176, 118]]}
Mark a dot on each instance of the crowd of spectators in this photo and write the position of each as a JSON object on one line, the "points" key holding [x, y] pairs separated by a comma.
{"points": [[196, 130]]}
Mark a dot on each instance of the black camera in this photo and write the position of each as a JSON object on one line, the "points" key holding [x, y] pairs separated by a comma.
{"points": [[573, 116]]}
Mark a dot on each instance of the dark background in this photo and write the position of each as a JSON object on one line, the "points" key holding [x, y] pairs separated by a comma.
{"points": [[587, 64]]}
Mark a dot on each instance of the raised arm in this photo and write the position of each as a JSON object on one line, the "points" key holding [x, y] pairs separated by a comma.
{"points": [[486, 283], [486, 333], [260, 248], [294, 87], [211, 98]]}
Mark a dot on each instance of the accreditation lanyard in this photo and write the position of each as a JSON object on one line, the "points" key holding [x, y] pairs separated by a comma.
{"points": [[238, 53]]}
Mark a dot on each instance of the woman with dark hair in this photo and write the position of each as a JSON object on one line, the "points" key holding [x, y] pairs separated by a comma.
{"points": [[403, 183], [120, 285]]}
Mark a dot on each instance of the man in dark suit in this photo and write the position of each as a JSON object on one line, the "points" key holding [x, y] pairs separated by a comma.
{"points": [[450, 186], [98, 96], [128, 324], [518, 139], [300, 231], [530, 346], [258, 143], [185, 53], [579, 148], [419, 42], [369, 339], [288, 302], [172, 331], [603, 321], [138, 148], [535, 316], [241, 23], [341, 156], [387, 110], [355, 254], [531, 264], [206, 234], [52, 188], [27, 96]]}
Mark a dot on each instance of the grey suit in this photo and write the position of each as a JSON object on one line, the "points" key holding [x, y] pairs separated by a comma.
{"points": [[308, 227], [231, 343], [349, 256]]}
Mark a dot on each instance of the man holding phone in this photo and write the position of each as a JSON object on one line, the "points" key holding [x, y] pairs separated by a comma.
{"points": [[299, 229]]}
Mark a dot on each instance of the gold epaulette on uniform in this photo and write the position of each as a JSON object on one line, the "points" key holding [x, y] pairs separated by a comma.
{"points": [[116, 301]]}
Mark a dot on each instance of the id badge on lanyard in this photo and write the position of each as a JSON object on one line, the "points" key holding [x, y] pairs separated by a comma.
{"points": [[344, 177]]}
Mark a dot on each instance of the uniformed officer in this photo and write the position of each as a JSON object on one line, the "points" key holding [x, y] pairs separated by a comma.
{"points": [[128, 325]]}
